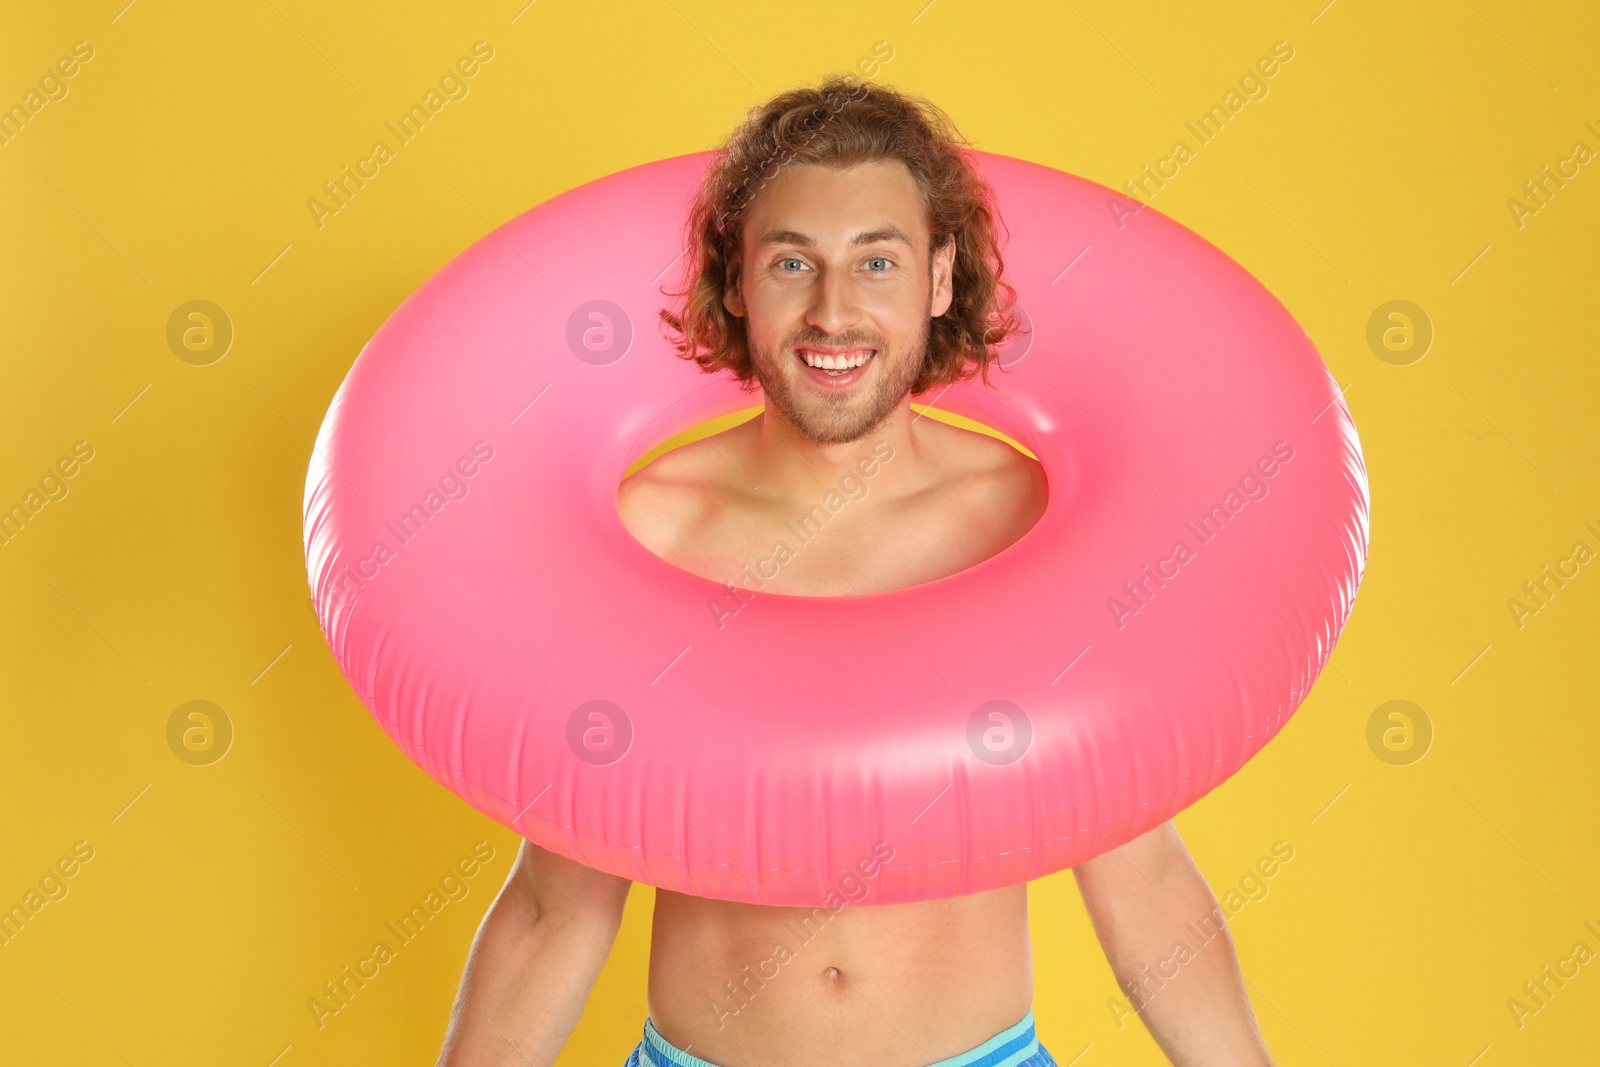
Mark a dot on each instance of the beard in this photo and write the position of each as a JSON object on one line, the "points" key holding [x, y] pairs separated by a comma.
{"points": [[833, 419]]}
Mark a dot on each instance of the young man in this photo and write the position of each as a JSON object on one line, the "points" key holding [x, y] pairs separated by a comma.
{"points": [[843, 256]]}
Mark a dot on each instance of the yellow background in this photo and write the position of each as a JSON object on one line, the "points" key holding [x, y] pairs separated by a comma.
{"points": [[220, 897]]}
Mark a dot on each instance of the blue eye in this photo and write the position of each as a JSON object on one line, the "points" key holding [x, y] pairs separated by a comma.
{"points": [[879, 259], [788, 259]]}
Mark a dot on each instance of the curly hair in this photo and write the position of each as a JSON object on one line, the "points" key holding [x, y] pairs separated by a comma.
{"points": [[841, 122]]}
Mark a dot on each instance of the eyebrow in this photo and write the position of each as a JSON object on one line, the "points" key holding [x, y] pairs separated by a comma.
{"points": [[890, 232]]}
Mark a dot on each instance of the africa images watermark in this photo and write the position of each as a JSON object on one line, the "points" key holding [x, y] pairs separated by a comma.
{"points": [[53, 88], [851, 888], [1543, 187], [1253, 86], [1252, 487], [1537, 592], [348, 581], [52, 886], [743, 194], [340, 190], [1540, 990], [810, 523], [1251, 886], [53, 486], [453, 885]]}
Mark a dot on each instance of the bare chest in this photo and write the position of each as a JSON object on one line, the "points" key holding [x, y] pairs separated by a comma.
{"points": [[818, 552]]}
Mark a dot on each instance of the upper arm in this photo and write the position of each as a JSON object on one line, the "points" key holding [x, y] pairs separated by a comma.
{"points": [[1146, 864], [552, 886]]}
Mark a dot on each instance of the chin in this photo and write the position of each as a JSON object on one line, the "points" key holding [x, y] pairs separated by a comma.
{"points": [[841, 419], [828, 425], [834, 436]]}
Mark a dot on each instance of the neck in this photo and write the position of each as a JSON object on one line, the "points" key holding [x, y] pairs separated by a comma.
{"points": [[789, 465]]}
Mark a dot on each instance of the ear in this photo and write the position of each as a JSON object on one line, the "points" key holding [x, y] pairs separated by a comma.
{"points": [[942, 267], [732, 297]]}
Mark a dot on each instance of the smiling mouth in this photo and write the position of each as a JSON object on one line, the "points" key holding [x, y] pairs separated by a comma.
{"points": [[836, 364]]}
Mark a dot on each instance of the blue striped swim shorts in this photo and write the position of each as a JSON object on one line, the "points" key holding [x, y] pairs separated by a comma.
{"points": [[1015, 1046]]}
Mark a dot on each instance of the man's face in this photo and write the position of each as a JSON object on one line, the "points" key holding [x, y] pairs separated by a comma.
{"points": [[836, 270]]}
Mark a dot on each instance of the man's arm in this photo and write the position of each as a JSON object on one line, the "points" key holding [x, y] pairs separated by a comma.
{"points": [[536, 956], [1167, 941]]}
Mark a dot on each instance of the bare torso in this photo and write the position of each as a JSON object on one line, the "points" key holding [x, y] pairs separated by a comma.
{"points": [[874, 984]]}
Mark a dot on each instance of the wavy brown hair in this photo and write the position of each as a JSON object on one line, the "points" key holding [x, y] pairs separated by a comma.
{"points": [[841, 122]]}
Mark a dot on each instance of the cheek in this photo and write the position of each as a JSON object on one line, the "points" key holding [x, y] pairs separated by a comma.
{"points": [[768, 309], [769, 346], [772, 318], [900, 320], [770, 333], [902, 308]]}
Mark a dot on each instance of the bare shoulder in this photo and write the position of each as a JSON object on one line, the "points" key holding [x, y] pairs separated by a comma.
{"points": [[994, 482], [661, 501]]}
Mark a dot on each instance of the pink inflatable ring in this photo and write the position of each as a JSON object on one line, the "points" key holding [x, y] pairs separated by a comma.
{"points": [[1206, 531]]}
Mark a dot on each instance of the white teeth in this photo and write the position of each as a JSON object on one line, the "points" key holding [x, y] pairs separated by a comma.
{"points": [[834, 363]]}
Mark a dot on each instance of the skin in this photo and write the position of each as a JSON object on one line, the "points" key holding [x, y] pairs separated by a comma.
{"points": [[897, 985]]}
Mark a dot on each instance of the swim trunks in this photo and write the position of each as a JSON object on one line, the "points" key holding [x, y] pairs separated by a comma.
{"points": [[1015, 1046]]}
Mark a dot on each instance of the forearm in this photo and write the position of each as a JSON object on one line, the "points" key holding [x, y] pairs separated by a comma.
{"points": [[1167, 941], [526, 981], [1182, 977]]}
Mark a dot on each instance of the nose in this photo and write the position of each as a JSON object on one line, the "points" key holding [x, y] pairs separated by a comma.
{"points": [[834, 305]]}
